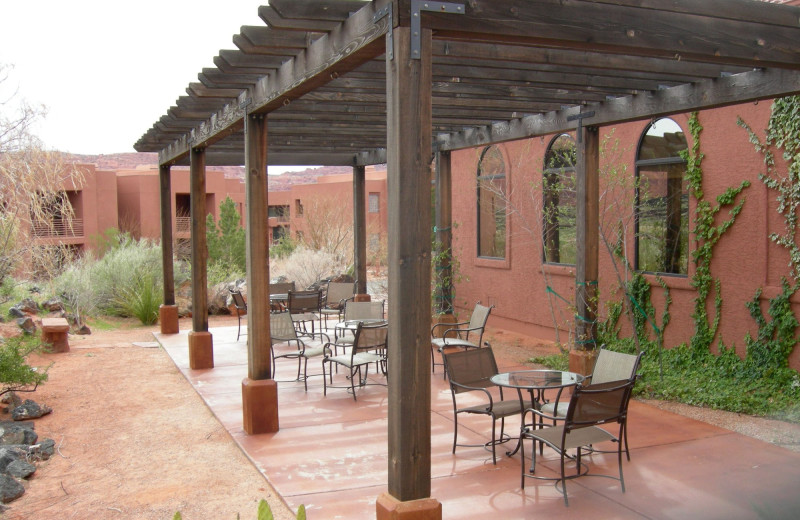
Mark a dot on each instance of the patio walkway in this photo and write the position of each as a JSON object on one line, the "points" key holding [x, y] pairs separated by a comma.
{"points": [[330, 454]]}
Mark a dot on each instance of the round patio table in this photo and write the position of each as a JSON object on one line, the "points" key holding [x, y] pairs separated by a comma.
{"points": [[536, 382]]}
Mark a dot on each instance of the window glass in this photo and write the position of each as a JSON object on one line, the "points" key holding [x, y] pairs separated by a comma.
{"points": [[492, 204], [559, 204], [662, 200], [374, 203]]}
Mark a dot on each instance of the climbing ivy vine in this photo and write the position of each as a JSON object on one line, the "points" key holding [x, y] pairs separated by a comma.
{"points": [[707, 233]]}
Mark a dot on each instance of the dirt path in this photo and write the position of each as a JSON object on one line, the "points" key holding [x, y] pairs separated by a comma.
{"points": [[134, 441]]}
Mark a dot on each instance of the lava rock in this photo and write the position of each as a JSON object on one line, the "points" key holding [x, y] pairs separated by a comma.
{"points": [[20, 469], [10, 489], [29, 410]]}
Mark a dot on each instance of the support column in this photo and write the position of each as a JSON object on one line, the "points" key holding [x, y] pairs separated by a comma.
{"points": [[259, 389], [443, 296], [168, 311], [360, 232], [408, 95], [583, 353], [201, 349]]}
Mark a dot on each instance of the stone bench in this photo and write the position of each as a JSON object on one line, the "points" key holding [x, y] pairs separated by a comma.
{"points": [[55, 334]]}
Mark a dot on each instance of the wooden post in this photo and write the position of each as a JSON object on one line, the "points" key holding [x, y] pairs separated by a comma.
{"points": [[360, 231], [259, 390], [587, 237], [168, 311], [408, 94], [444, 235], [201, 352]]}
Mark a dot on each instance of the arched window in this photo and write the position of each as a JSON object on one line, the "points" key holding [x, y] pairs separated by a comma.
{"points": [[662, 200], [558, 194], [492, 203]]}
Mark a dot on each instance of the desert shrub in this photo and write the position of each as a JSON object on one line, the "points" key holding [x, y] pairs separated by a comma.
{"points": [[15, 373], [282, 248], [306, 266], [126, 281], [222, 272]]}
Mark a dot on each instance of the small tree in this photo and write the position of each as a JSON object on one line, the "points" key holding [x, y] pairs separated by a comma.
{"points": [[226, 239], [15, 373]]}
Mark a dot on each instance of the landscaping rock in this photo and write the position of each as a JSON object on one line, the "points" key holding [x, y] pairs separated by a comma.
{"points": [[53, 305], [11, 433], [12, 400], [9, 454], [83, 330], [20, 469], [14, 312], [42, 451], [10, 489], [218, 299], [29, 410], [27, 325], [28, 306]]}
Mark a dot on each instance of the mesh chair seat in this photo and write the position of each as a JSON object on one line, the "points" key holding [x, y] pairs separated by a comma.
{"points": [[358, 359], [441, 343], [465, 335], [369, 346]]}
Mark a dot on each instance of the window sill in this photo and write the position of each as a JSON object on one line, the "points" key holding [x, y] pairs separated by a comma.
{"points": [[493, 263]]}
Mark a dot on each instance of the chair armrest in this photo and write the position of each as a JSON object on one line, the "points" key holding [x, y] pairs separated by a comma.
{"points": [[460, 331], [445, 325], [540, 414]]}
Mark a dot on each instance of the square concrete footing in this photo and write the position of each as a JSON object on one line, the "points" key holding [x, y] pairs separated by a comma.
{"points": [[201, 350], [582, 361], [389, 508], [259, 406], [168, 319]]}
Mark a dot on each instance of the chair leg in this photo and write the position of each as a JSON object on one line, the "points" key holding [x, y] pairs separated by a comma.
{"points": [[563, 476], [494, 441], [352, 379], [239, 329], [325, 379], [455, 430]]}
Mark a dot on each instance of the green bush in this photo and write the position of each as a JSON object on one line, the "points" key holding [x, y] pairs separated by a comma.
{"points": [[15, 373], [141, 300]]}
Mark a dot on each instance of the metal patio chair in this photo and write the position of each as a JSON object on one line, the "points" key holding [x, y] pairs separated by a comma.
{"points": [[589, 407], [304, 307], [241, 308], [337, 295], [369, 346], [282, 330], [463, 335], [471, 371]]}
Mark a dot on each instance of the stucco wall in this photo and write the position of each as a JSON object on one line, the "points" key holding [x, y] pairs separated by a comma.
{"points": [[744, 259]]}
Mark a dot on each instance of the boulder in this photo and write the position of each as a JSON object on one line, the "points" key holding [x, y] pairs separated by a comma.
{"points": [[53, 305], [29, 410], [27, 325], [15, 312], [9, 454], [20, 469], [10, 489], [11, 433], [28, 306]]}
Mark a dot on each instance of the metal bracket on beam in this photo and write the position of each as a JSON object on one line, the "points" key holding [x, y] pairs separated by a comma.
{"points": [[387, 11], [417, 6], [580, 116]]}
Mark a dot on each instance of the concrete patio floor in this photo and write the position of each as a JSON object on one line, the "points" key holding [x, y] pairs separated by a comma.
{"points": [[331, 455]]}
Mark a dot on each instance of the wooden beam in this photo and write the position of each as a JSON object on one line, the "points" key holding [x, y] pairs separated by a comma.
{"points": [[198, 212], [409, 157], [655, 29], [352, 42], [165, 198], [360, 228], [444, 235], [258, 340], [587, 194], [730, 90]]}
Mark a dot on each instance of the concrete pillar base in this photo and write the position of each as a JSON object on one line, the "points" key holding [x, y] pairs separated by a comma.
{"points": [[445, 319], [168, 319], [201, 350], [259, 405], [389, 508], [362, 298], [582, 361]]}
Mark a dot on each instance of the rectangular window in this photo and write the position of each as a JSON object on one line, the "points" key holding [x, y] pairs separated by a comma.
{"points": [[492, 217], [374, 203], [663, 219], [298, 208]]}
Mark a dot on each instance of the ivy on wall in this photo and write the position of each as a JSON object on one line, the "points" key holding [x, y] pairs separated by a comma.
{"points": [[707, 234]]}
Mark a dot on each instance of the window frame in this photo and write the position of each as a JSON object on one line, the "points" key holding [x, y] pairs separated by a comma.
{"points": [[545, 183], [642, 164], [491, 177]]}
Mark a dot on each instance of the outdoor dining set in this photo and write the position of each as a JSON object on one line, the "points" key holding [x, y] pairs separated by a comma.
{"points": [[563, 410]]}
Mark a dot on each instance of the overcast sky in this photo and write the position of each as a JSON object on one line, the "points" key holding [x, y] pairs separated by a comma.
{"points": [[107, 70]]}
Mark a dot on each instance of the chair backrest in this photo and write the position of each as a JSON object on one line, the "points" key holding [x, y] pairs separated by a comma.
{"points": [[281, 287], [598, 404], [363, 310], [614, 366], [238, 300], [304, 301], [480, 314], [281, 327], [370, 337], [472, 367], [337, 292]]}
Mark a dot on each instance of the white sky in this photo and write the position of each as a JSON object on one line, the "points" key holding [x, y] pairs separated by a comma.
{"points": [[107, 70]]}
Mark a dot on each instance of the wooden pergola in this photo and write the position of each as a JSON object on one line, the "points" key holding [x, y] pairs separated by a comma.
{"points": [[350, 82]]}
